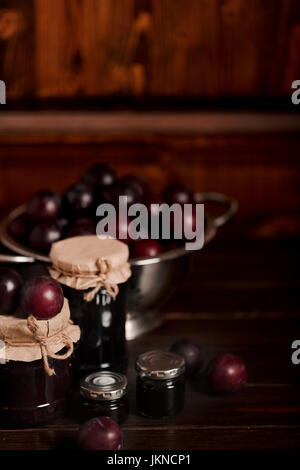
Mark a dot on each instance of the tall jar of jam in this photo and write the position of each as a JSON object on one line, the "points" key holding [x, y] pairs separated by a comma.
{"points": [[93, 273], [35, 367], [160, 384], [104, 393]]}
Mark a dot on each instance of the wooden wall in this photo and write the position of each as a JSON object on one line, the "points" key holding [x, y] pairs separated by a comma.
{"points": [[210, 48]]}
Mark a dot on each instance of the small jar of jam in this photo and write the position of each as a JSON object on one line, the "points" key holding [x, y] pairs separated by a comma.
{"points": [[160, 384], [104, 393], [93, 273], [35, 367]]}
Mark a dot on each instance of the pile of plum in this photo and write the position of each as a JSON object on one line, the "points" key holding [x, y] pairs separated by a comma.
{"points": [[51, 216], [40, 296]]}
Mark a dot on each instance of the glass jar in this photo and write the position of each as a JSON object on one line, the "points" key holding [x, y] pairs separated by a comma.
{"points": [[30, 397], [104, 394], [160, 384], [102, 323], [93, 273], [35, 367]]}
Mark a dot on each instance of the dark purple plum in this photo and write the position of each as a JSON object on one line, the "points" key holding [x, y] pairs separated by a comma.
{"points": [[138, 184], [100, 174], [83, 226], [110, 194], [178, 193], [78, 200], [121, 188], [146, 248], [42, 297], [227, 373], [152, 202], [44, 206], [100, 433], [84, 221], [122, 230], [62, 223], [43, 235], [10, 287], [191, 353], [133, 195], [19, 228]]}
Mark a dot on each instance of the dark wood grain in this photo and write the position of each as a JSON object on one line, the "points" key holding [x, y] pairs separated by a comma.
{"points": [[66, 48], [79, 127], [17, 46], [171, 438], [258, 279]]}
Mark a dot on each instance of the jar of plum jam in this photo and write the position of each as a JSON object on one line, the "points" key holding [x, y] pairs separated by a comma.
{"points": [[104, 394], [102, 323], [30, 397], [160, 384], [35, 367], [93, 273]]}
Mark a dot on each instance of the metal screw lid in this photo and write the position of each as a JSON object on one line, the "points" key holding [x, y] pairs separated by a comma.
{"points": [[160, 365], [104, 385]]}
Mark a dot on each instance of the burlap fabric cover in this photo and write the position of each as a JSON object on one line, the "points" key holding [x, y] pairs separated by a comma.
{"points": [[88, 262], [29, 339]]}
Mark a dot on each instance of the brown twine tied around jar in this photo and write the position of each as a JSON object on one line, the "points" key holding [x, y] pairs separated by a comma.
{"points": [[45, 341], [96, 280], [104, 267]]}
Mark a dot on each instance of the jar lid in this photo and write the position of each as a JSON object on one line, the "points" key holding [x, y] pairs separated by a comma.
{"points": [[160, 365], [104, 385], [81, 255], [26, 338], [87, 262]]}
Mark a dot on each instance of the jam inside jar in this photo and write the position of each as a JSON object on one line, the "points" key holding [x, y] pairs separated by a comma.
{"points": [[30, 397], [94, 273], [160, 384], [102, 320], [104, 394]]}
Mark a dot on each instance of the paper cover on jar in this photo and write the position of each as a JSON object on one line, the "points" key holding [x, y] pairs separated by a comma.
{"points": [[29, 339], [88, 262]]}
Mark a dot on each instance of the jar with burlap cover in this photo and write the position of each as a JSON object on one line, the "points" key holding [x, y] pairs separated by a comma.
{"points": [[93, 273], [89, 263], [29, 339]]}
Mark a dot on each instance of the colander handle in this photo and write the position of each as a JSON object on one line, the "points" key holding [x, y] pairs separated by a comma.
{"points": [[15, 259], [219, 198]]}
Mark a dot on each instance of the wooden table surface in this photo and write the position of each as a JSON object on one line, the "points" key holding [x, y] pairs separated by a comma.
{"points": [[241, 297]]}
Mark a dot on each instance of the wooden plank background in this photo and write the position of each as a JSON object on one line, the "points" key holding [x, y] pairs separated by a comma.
{"points": [[209, 48]]}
